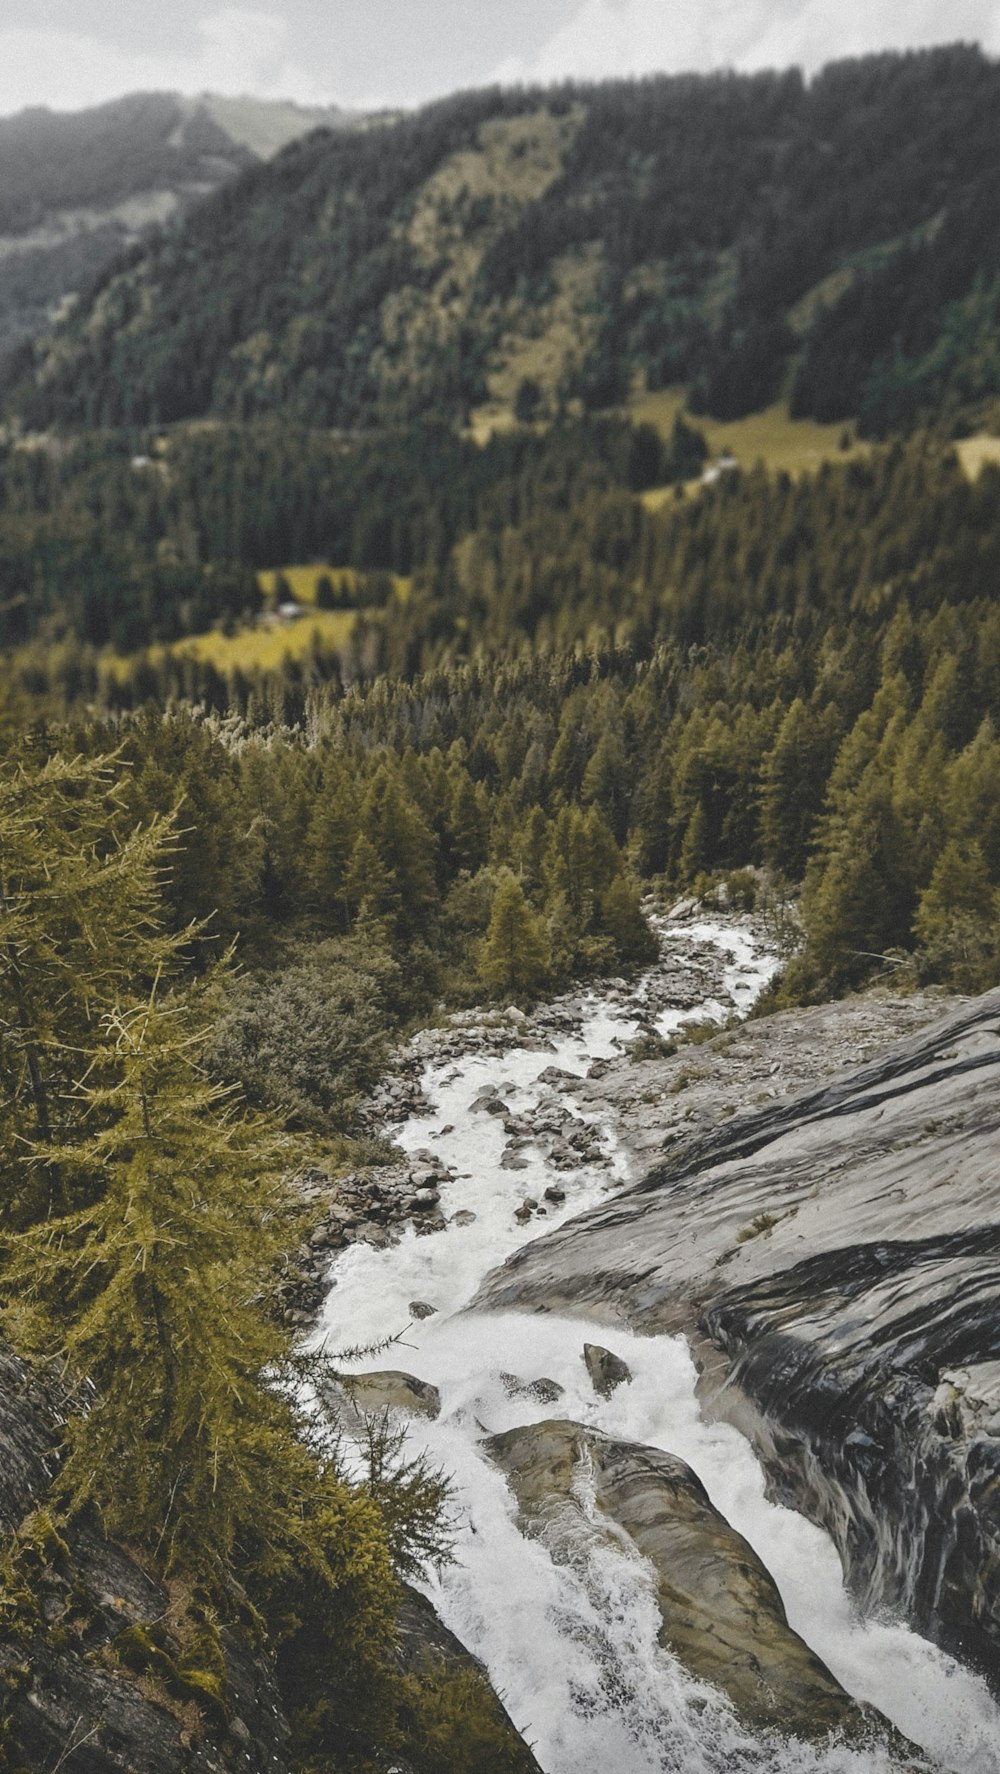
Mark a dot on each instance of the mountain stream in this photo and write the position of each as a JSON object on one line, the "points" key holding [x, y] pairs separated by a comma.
{"points": [[572, 1648]]}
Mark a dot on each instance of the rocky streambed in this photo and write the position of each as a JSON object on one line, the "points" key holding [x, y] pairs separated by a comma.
{"points": [[628, 1571], [836, 1258]]}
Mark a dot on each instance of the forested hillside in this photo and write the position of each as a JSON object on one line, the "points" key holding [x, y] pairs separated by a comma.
{"points": [[795, 675], [745, 236]]}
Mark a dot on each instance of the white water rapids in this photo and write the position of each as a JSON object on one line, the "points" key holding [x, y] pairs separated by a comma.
{"points": [[574, 1652]]}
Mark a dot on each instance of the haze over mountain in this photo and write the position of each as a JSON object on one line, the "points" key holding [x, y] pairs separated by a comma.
{"points": [[72, 53], [76, 188]]}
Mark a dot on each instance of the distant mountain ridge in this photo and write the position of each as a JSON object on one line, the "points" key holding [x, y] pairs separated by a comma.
{"points": [[77, 187], [835, 243]]}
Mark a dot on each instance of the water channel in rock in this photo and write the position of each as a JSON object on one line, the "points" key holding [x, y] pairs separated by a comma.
{"points": [[572, 1647]]}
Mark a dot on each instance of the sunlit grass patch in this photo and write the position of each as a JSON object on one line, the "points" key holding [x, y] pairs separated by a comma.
{"points": [[975, 452], [797, 446], [264, 649]]}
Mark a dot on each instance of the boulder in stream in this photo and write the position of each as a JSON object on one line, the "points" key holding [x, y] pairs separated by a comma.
{"points": [[394, 1391], [722, 1614], [606, 1370], [541, 1391]]}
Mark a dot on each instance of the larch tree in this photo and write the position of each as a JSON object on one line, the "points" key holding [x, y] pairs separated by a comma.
{"points": [[514, 953], [79, 927], [154, 1292]]}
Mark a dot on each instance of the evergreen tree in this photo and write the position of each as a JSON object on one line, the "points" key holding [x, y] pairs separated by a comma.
{"points": [[957, 922], [79, 911], [371, 889], [155, 1291], [514, 954], [330, 841], [621, 916], [406, 848], [793, 782]]}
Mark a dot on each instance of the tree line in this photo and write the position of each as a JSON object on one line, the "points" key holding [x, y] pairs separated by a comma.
{"points": [[702, 680]]}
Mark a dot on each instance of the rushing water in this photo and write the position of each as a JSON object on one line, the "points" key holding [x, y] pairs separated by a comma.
{"points": [[573, 1648]]}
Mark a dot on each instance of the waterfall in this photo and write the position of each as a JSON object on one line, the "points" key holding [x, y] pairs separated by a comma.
{"points": [[571, 1645]]}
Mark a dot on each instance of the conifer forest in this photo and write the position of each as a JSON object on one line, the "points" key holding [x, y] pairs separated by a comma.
{"points": [[426, 561]]}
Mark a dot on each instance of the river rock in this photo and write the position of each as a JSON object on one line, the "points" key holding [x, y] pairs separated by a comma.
{"points": [[425, 1197], [392, 1390], [837, 1255], [721, 1613], [605, 1369], [541, 1391], [488, 1102]]}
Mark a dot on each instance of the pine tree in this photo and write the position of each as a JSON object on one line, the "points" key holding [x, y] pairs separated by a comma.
{"points": [[80, 911], [793, 781], [621, 917], [957, 922], [406, 847], [514, 954], [371, 890], [155, 1291], [331, 836]]}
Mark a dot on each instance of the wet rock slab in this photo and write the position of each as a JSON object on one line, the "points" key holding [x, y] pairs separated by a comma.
{"points": [[837, 1253], [722, 1614]]}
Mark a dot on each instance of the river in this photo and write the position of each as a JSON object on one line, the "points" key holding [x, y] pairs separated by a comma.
{"points": [[573, 1648]]}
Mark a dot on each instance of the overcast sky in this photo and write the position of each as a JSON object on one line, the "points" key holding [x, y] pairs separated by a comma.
{"points": [[70, 53]]}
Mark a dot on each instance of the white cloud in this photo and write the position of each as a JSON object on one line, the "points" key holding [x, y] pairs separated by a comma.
{"points": [[606, 38], [240, 50]]}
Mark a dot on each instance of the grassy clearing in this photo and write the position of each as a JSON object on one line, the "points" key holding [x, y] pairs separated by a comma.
{"points": [[264, 649], [248, 650], [302, 582], [656, 498], [975, 452], [796, 446]]}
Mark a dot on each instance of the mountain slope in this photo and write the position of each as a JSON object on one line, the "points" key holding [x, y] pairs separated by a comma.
{"points": [[75, 188], [745, 235]]}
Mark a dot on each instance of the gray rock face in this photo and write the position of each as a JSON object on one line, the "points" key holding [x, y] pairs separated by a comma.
{"points": [[839, 1255], [66, 1697], [424, 1640], [721, 1611], [392, 1390]]}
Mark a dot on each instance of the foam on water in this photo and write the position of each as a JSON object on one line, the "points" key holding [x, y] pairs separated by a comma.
{"points": [[572, 1646]]}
